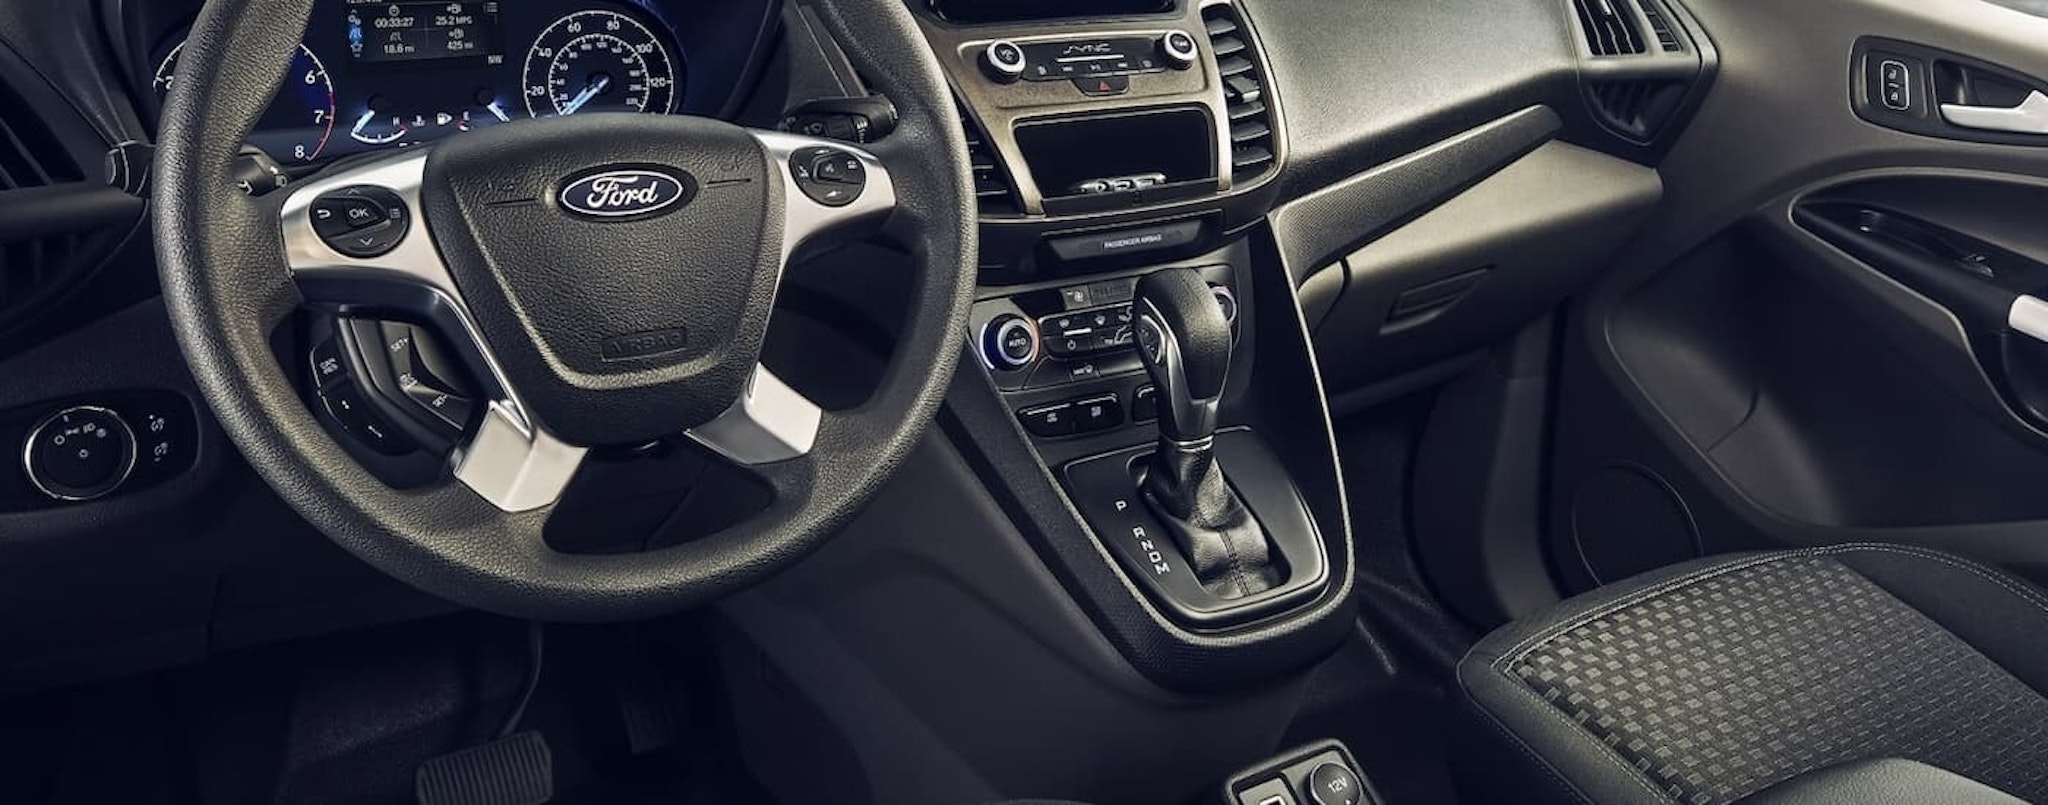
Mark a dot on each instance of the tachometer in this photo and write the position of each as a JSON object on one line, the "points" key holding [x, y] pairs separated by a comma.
{"points": [[599, 60], [300, 119]]}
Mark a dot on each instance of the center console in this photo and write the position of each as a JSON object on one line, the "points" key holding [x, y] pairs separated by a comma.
{"points": [[1143, 392], [1109, 576]]}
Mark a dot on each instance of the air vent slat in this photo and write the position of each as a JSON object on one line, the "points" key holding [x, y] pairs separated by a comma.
{"points": [[992, 188], [1250, 157], [1253, 140], [1610, 27], [1666, 38], [1236, 65]]}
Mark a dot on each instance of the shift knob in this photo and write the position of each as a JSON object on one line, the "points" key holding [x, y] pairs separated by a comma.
{"points": [[1184, 342]]}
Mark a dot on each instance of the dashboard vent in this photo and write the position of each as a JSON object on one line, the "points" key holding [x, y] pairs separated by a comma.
{"points": [[1245, 91], [992, 188], [1666, 38], [1610, 27], [1637, 109]]}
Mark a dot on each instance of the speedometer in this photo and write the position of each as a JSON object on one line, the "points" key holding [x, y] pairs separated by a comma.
{"points": [[599, 61]]}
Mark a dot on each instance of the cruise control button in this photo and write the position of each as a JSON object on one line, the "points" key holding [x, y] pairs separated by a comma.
{"points": [[450, 408], [345, 403], [328, 366], [1049, 420]]}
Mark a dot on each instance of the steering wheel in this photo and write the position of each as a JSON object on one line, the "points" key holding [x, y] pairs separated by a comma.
{"points": [[608, 280]]}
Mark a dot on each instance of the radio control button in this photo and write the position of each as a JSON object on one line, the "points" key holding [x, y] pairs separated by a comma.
{"points": [[1180, 50], [1004, 60], [828, 176]]}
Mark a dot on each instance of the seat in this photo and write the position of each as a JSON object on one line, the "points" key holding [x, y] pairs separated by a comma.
{"points": [[1749, 676]]}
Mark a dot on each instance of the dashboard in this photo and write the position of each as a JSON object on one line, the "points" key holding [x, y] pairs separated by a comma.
{"points": [[382, 74]]}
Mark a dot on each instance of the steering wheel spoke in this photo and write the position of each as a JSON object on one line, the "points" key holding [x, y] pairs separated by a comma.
{"points": [[508, 458]]}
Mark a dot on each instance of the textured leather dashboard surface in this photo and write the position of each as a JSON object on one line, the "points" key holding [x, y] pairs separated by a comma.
{"points": [[1363, 83]]}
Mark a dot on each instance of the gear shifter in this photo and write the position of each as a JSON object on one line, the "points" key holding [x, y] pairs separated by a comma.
{"points": [[1184, 342]]}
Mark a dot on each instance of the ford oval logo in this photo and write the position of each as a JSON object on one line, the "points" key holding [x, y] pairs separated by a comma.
{"points": [[620, 194]]}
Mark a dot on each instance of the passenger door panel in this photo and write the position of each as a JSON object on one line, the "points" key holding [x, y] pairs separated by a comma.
{"points": [[1810, 345]]}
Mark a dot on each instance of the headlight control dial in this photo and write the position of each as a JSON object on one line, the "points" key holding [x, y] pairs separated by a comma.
{"points": [[80, 453]]}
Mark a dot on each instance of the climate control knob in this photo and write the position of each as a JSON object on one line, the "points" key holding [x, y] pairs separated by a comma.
{"points": [[1009, 342], [1004, 60], [79, 453]]}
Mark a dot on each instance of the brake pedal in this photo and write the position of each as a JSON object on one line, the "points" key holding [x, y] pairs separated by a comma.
{"points": [[518, 769]]}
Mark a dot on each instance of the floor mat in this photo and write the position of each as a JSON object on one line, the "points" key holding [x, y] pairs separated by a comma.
{"points": [[346, 719]]}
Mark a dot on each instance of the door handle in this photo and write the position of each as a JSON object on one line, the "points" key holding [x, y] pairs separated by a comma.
{"points": [[2029, 316], [2030, 117]]}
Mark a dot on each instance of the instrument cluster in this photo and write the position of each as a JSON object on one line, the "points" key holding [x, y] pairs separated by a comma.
{"points": [[377, 74]]}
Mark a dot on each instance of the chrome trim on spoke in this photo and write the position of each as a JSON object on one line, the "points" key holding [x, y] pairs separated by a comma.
{"points": [[770, 422]]}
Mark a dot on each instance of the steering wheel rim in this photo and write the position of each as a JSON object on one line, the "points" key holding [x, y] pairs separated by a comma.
{"points": [[226, 280]]}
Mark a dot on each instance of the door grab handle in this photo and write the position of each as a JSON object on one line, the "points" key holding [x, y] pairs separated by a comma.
{"points": [[2030, 117], [2029, 316]]}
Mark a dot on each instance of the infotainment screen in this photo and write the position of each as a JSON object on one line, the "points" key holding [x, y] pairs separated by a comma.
{"points": [[973, 11], [1121, 152]]}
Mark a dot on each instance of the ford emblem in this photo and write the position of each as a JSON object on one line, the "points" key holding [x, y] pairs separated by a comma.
{"points": [[620, 194]]}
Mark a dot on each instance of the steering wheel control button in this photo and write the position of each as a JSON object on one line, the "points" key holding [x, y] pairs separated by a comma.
{"points": [[1004, 60], [345, 403], [80, 453], [1049, 421], [829, 176], [360, 221], [328, 365], [1009, 342], [409, 376], [1334, 784]]}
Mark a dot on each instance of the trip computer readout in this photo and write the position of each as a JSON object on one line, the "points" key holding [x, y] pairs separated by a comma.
{"points": [[386, 32]]}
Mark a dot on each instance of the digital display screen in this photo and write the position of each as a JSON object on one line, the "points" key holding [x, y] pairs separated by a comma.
{"points": [[973, 11], [381, 32]]}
